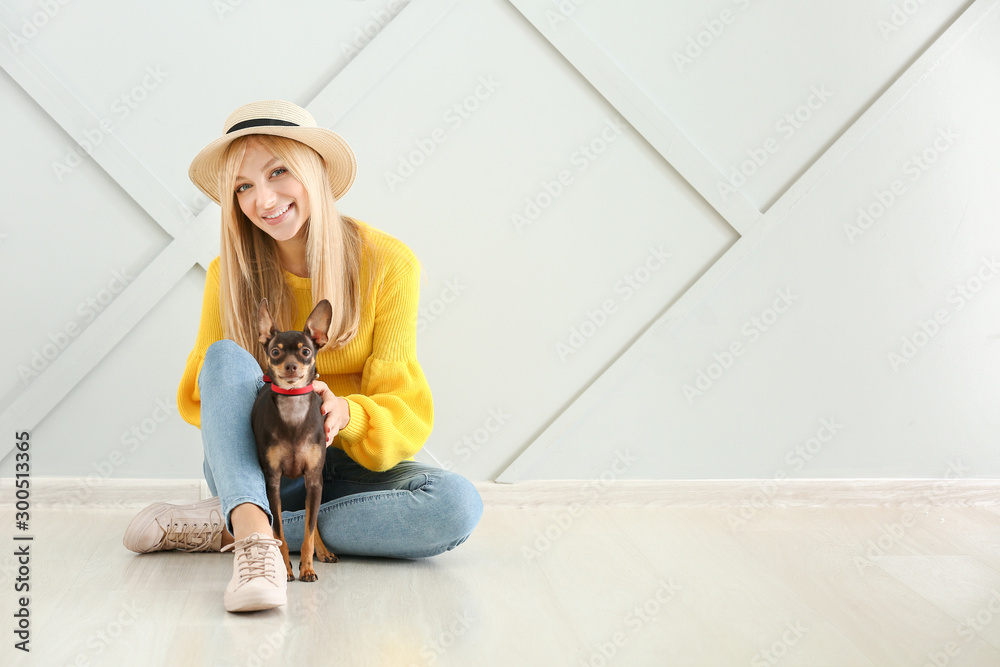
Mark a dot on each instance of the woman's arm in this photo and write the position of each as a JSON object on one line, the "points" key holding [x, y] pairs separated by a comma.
{"points": [[209, 331], [391, 416]]}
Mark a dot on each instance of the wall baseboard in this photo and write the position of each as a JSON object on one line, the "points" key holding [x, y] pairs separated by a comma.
{"points": [[746, 492], [69, 492]]}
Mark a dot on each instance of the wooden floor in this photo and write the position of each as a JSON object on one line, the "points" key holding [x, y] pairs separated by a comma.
{"points": [[553, 586]]}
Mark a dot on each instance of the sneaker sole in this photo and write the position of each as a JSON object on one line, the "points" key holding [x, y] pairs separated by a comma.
{"points": [[256, 601], [142, 520]]}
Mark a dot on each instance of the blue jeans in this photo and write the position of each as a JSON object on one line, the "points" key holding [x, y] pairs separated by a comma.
{"points": [[412, 510]]}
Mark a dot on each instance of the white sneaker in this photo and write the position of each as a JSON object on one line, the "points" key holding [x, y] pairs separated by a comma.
{"points": [[162, 527], [259, 578]]}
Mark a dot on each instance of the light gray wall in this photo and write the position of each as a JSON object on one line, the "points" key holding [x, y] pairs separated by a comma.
{"points": [[635, 218]]}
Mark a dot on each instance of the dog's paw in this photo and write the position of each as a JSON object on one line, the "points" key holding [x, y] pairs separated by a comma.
{"points": [[308, 575], [291, 576], [328, 558]]}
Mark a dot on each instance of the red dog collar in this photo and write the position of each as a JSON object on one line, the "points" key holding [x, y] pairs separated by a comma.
{"points": [[288, 392]]}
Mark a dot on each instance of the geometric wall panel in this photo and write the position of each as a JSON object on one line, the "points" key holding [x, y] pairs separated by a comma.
{"points": [[740, 96], [853, 338], [556, 167], [553, 280]]}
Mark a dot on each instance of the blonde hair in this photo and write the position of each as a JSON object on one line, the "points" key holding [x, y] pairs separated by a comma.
{"points": [[249, 269]]}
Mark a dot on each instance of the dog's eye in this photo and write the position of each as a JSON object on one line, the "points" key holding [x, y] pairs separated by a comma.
{"points": [[275, 352], [306, 352]]}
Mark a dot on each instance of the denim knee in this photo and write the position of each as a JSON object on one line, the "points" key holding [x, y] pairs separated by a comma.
{"points": [[226, 360], [466, 509]]}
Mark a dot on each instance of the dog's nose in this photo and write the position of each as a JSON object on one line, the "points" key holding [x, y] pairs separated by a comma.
{"points": [[291, 367]]}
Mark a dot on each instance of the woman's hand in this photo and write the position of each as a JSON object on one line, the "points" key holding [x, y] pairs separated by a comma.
{"points": [[335, 408]]}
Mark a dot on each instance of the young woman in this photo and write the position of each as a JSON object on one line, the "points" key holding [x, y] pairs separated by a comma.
{"points": [[277, 177]]}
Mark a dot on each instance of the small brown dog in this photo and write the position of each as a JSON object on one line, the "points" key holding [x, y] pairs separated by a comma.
{"points": [[288, 426]]}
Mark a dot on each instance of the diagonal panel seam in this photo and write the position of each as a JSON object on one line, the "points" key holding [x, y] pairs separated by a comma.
{"points": [[576, 410], [601, 72], [172, 263], [58, 101]]}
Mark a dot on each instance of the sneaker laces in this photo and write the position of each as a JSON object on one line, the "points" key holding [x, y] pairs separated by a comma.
{"points": [[255, 557], [192, 536]]}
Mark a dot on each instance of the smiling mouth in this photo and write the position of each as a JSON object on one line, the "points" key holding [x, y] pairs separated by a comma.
{"points": [[278, 215]]}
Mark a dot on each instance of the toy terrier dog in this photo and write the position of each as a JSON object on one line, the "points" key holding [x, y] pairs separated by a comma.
{"points": [[288, 426]]}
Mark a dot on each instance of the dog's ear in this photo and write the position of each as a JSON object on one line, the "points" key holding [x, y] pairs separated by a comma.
{"points": [[318, 324], [265, 325]]}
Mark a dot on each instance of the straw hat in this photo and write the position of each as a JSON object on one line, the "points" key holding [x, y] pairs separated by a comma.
{"points": [[282, 119]]}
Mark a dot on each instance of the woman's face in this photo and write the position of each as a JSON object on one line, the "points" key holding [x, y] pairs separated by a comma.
{"points": [[269, 195]]}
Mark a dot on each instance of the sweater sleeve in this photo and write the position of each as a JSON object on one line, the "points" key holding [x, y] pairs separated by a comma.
{"points": [[209, 331], [393, 413]]}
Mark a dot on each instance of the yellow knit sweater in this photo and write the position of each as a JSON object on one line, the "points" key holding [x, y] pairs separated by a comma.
{"points": [[377, 372]]}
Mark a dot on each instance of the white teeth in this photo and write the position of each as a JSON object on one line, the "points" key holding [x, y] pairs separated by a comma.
{"points": [[279, 213]]}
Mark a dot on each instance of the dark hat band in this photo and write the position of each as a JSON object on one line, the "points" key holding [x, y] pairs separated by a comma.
{"points": [[259, 122]]}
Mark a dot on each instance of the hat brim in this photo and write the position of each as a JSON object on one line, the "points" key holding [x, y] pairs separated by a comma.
{"points": [[341, 165]]}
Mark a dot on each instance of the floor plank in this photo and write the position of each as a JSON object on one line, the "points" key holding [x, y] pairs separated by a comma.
{"points": [[580, 585]]}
